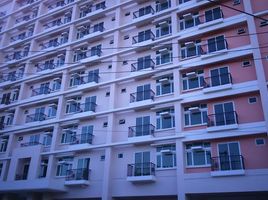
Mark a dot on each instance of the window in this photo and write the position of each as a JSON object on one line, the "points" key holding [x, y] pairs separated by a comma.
{"points": [[220, 76], [95, 51], [120, 155], [166, 156], [162, 5], [43, 168], [72, 106], [1, 168], [164, 85], [224, 114], [68, 135], [260, 141], [143, 36], [87, 134], [56, 84], [246, 63], [47, 140], [195, 115], [64, 164], [193, 80], [165, 119], [3, 144], [143, 63], [198, 154], [80, 54], [77, 78], [189, 20], [100, 5], [190, 49], [216, 44], [105, 124], [183, 1], [52, 111], [164, 56], [252, 100], [236, 2], [102, 158], [213, 14], [163, 28], [93, 76]]}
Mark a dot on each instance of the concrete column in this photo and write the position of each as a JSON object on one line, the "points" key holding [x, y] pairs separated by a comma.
{"points": [[60, 107], [258, 62], [55, 136], [50, 167], [180, 170]]}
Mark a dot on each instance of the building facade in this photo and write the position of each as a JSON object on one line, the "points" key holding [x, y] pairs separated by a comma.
{"points": [[133, 99]]}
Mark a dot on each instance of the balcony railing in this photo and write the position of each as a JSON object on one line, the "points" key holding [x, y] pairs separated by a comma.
{"points": [[41, 90], [218, 80], [214, 47], [93, 52], [147, 63], [141, 169], [143, 11], [216, 15], [21, 176], [141, 130], [2, 126], [52, 44], [82, 138], [163, 5], [28, 144], [94, 77], [222, 119], [23, 19], [91, 30], [53, 24], [141, 96], [10, 78], [36, 117], [143, 37], [16, 56], [227, 162], [26, 2], [77, 174], [191, 50], [89, 106], [46, 66]]}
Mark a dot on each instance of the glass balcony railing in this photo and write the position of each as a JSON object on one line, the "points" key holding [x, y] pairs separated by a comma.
{"points": [[143, 11], [146, 64], [141, 130], [36, 117], [89, 31], [142, 95], [82, 138], [222, 119], [141, 169], [227, 162], [141, 37], [77, 174], [40, 91], [27, 144]]}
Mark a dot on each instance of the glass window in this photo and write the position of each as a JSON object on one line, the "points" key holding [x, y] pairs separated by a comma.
{"points": [[163, 28], [52, 111], [213, 14], [195, 115], [162, 5], [1, 168], [68, 135], [188, 22], [164, 56], [3, 144], [193, 81], [191, 49], [164, 85], [64, 164], [198, 154], [165, 119], [216, 44], [166, 156]]}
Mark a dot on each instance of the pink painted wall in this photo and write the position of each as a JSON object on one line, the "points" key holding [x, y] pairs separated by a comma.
{"points": [[259, 5]]}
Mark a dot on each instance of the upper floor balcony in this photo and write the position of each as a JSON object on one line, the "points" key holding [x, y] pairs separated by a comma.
{"points": [[141, 172], [225, 165], [143, 13], [142, 96], [73, 106], [88, 31], [27, 17], [142, 64], [218, 82], [36, 117], [52, 63], [17, 55], [9, 97], [41, 90], [141, 130], [80, 78], [222, 121], [25, 2], [90, 9], [162, 5], [22, 35], [86, 55], [57, 20], [143, 38], [77, 177], [58, 41], [84, 138], [55, 5]]}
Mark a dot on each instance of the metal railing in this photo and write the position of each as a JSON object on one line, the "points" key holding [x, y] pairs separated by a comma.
{"points": [[221, 79], [23, 19], [222, 119], [9, 78], [52, 44], [28, 144], [163, 5], [141, 130], [147, 63], [41, 90], [224, 45], [5, 101], [44, 66], [143, 11], [203, 19], [141, 169], [16, 56], [36, 117], [90, 31], [77, 174], [93, 52], [2, 126], [227, 162], [26, 2], [143, 95], [88, 106], [53, 24], [82, 138], [143, 37]]}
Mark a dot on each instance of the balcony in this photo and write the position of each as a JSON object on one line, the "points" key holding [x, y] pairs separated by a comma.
{"points": [[190, 50], [91, 79], [76, 177], [144, 97], [141, 172], [222, 121], [16, 56], [215, 17], [26, 2], [20, 177], [77, 107], [91, 55], [141, 132], [143, 38], [36, 117], [23, 19], [217, 47], [28, 144], [142, 14], [227, 165], [58, 5], [53, 24], [146, 64], [90, 32], [79, 141], [18, 38], [12, 77], [47, 66], [218, 83], [52, 44], [40, 91]]}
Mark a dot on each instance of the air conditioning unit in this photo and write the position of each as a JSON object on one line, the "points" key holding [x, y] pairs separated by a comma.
{"points": [[68, 13], [63, 162], [43, 163], [189, 44], [65, 33], [196, 147], [52, 104], [60, 55], [164, 114], [163, 50], [164, 23], [83, 7], [48, 132], [163, 80], [71, 100], [166, 151], [188, 16], [194, 109], [191, 74], [82, 28]]}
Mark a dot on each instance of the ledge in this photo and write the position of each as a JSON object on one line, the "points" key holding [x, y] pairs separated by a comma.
{"points": [[149, 178], [218, 88], [222, 128], [228, 173]]}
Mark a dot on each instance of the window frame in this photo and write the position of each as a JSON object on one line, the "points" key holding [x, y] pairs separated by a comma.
{"points": [[206, 149], [159, 155]]}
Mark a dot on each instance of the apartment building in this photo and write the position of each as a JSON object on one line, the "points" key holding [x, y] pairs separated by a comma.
{"points": [[133, 99]]}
